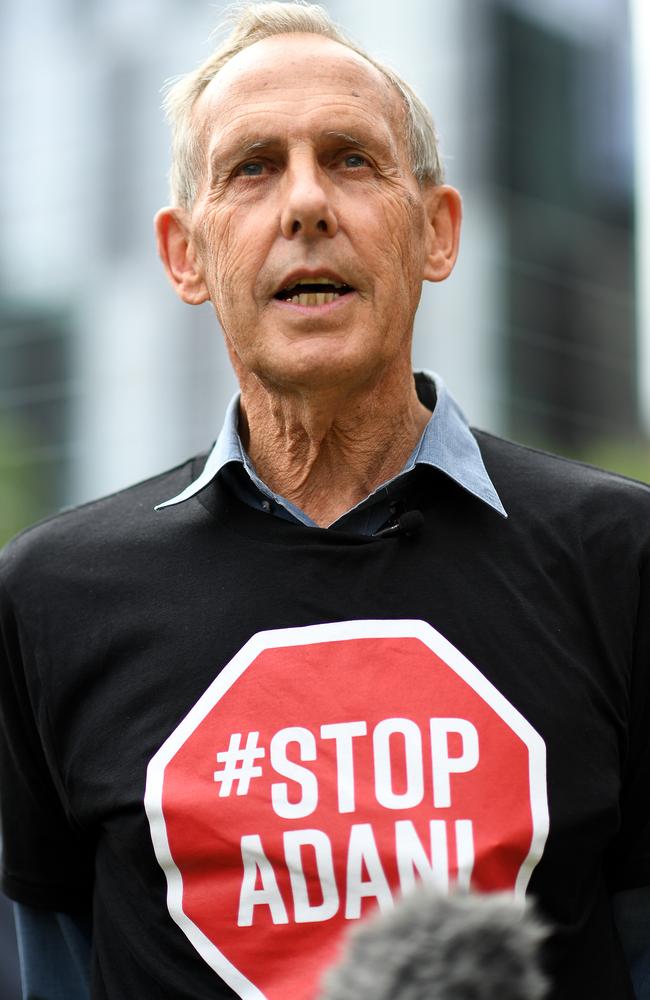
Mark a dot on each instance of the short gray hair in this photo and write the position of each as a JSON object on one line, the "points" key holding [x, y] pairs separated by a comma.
{"points": [[251, 22]]}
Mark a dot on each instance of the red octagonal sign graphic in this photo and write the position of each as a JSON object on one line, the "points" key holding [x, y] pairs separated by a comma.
{"points": [[324, 772]]}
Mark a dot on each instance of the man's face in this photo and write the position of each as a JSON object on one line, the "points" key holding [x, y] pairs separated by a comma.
{"points": [[307, 182]]}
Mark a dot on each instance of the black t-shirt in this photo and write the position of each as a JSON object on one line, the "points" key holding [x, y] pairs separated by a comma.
{"points": [[235, 735]]}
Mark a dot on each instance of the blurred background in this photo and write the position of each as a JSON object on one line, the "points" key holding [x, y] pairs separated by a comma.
{"points": [[542, 333]]}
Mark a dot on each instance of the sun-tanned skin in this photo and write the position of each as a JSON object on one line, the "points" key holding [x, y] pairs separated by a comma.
{"points": [[307, 179]]}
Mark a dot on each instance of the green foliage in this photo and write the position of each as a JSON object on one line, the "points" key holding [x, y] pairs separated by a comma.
{"points": [[21, 493], [628, 457]]}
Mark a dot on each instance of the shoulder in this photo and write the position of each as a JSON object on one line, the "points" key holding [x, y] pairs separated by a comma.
{"points": [[91, 531], [521, 467], [536, 486]]}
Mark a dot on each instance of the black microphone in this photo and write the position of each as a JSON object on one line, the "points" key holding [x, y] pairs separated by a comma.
{"points": [[465, 946], [408, 523]]}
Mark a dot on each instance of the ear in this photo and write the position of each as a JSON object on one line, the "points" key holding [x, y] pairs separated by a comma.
{"points": [[178, 255], [444, 211]]}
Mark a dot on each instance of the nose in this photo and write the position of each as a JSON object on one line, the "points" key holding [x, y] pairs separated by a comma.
{"points": [[307, 210]]}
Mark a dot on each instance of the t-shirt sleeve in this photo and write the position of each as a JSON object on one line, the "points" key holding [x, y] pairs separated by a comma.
{"points": [[45, 857], [55, 953], [629, 861]]}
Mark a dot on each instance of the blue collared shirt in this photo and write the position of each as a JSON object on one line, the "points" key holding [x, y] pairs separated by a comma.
{"points": [[446, 444]]}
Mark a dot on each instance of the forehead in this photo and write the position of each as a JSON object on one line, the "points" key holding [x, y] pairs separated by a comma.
{"points": [[290, 78]]}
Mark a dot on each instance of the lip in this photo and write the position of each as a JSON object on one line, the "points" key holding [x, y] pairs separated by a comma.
{"points": [[305, 273], [327, 307]]}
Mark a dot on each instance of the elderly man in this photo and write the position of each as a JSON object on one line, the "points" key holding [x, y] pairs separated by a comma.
{"points": [[359, 646]]}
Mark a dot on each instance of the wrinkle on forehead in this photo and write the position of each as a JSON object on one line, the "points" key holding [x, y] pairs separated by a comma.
{"points": [[292, 48], [249, 78]]}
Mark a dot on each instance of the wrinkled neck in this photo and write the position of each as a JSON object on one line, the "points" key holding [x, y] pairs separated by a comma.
{"points": [[326, 451]]}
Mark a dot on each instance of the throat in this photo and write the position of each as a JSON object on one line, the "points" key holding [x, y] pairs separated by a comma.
{"points": [[327, 458], [327, 480]]}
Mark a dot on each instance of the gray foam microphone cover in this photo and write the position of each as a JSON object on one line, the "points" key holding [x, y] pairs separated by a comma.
{"points": [[465, 946]]}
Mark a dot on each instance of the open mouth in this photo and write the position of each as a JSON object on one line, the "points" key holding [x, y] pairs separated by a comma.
{"points": [[313, 292]]}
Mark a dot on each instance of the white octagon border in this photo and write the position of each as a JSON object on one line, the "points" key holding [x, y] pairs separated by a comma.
{"points": [[305, 636]]}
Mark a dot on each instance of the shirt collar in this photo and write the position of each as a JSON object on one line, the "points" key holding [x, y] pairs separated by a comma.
{"points": [[446, 444], [449, 445]]}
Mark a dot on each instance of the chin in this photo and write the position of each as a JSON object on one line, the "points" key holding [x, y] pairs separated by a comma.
{"points": [[321, 368]]}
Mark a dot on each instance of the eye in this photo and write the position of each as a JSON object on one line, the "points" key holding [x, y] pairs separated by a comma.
{"points": [[355, 160], [251, 169]]}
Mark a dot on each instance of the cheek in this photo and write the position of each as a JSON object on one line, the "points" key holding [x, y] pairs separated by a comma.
{"points": [[400, 243], [232, 255]]}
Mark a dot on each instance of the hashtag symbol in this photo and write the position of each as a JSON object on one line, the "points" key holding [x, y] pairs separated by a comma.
{"points": [[239, 764]]}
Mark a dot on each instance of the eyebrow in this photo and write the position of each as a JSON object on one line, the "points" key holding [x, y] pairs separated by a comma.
{"points": [[378, 140], [252, 147], [221, 160], [346, 137]]}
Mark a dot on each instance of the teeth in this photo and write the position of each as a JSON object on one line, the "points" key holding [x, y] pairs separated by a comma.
{"points": [[310, 281], [313, 298]]}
